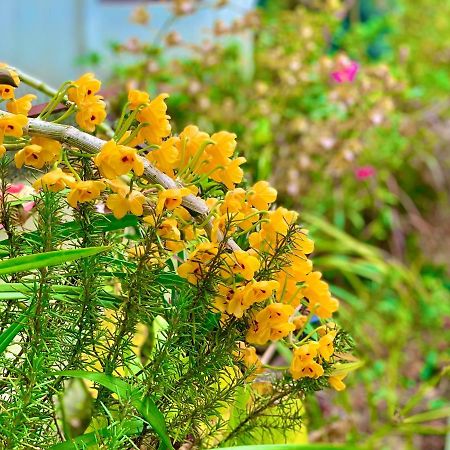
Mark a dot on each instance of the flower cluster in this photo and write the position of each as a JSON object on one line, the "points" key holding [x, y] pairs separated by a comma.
{"points": [[267, 281], [277, 295], [12, 126], [90, 106]]}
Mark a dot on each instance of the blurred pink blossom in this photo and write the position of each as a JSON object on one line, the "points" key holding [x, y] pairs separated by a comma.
{"points": [[28, 206], [101, 208], [346, 73], [362, 173], [14, 188]]}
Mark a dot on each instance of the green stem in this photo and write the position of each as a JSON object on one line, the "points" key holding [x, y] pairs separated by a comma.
{"points": [[64, 116], [69, 166]]}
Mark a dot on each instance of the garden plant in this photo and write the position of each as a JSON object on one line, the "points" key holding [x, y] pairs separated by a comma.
{"points": [[146, 282], [344, 108]]}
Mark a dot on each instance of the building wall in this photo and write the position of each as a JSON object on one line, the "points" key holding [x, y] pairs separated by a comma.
{"points": [[47, 37]]}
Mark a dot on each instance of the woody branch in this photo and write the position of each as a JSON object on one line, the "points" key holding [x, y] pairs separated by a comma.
{"points": [[73, 137]]}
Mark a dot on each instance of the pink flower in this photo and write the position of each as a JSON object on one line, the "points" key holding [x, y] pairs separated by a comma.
{"points": [[14, 188], [101, 208], [28, 206], [346, 73], [362, 173]]}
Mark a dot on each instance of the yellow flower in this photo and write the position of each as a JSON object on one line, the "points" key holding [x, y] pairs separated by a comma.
{"points": [[196, 267], [251, 359], [231, 174], [271, 233], [300, 322], [222, 225], [298, 266], [233, 202], [84, 191], [303, 245], [303, 364], [280, 220], [327, 306], [142, 341], [247, 218], [166, 157], [191, 140], [247, 354], [220, 152], [241, 263], [54, 181], [262, 195], [20, 105], [309, 369], [2, 151], [318, 294], [258, 291], [336, 382], [120, 205], [115, 160], [118, 186], [170, 199], [234, 301], [326, 347], [91, 112], [192, 271], [84, 88], [6, 90], [12, 125], [272, 323], [137, 98], [41, 151], [169, 232], [158, 121]]}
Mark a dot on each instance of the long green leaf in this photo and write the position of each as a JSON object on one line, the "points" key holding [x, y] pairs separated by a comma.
{"points": [[343, 238], [12, 331], [39, 260], [146, 406], [72, 229], [427, 416], [22, 291], [129, 428]]}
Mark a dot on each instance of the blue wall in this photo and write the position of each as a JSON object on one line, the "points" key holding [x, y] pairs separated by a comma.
{"points": [[46, 37]]}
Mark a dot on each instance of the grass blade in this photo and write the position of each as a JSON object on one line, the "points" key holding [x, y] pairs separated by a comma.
{"points": [[39, 260], [12, 331]]}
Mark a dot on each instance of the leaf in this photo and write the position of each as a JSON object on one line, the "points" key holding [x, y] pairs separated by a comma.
{"points": [[22, 291], [345, 240], [39, 260], [129, 427], [427, 416], [146, 406], [170, 280], [12, 331], [72, 229]]}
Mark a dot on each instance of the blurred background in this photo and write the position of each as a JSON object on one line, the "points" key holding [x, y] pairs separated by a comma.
{"points": [[364, 158]]}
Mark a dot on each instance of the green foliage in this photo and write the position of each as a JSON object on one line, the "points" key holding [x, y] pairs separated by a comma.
{"points": [[145, 406], [48, 259], [288, 115]]}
